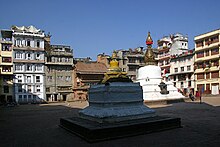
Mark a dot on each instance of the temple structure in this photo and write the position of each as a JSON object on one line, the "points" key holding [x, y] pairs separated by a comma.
{"points": [[150, 78], [116, 98], [116, 109]]}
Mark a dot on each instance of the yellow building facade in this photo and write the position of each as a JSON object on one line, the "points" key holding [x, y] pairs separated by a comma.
{"points": [[6, 67], [207, 48]]}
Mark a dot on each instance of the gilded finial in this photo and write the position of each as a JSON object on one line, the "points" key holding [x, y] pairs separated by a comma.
{"points": [[149, 40], [149, 57], [114, 65], [115, 73]]}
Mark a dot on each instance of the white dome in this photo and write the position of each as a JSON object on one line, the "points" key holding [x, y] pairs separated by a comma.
{"points": [[150, 71]]}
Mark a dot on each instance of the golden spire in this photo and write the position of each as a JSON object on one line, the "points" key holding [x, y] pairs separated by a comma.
{"points": [[149, 57], [115, 73], [114, 65]]}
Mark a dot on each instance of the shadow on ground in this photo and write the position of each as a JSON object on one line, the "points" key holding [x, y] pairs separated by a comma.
{"points": [[37, 125]]}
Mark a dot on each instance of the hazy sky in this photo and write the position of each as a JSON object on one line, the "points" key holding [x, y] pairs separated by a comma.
{"points": [[91, 27]]}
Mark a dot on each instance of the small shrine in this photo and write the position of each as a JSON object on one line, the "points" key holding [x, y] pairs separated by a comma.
{"points": [[149, 77]]}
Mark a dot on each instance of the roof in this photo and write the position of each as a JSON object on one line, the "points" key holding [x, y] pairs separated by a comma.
{"points": [[206, 33], [90, 67]]}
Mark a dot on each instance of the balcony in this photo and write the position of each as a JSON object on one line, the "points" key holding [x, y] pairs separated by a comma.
{"points": [[207, 58], [214, 44], [28, 48], [59, 63], [27, 61], [164, 56], [61, 53]]}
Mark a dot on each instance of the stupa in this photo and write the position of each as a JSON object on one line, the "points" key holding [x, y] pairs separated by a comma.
{"points": [[116, 109], [150, 79]]}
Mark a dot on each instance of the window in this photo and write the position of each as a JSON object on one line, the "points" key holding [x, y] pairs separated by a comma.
{"points": [[28, 56], [29, 67], [188, 68], [67, 59], [199, 43], [28, 42], [176, 69], [19, 79], [68, 78], [59, 59], [131, 60], [29, 88], [34, 98], [6, 89], [208, 75], [214, 51], [200, 54], [38, 56], [28, 79], [181, 84], [215, 74], [48, 89], [132, 69], [29, 98], [207, 53], [38, 79], [38, 43], [174, 78], [60, 77], [6, 47], [48, 59], [18, 55], [182, 68], [38, 88], [6, 59], [19, 88], [200, 76], [18, 67], [18, 42], [6, 68], [38, 67]]}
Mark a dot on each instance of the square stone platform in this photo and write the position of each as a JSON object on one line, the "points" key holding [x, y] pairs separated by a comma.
{"points": [[93, 131]]}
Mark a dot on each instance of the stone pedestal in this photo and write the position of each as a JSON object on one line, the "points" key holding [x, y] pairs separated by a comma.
{"points": [[116, 101], [116, 110]]}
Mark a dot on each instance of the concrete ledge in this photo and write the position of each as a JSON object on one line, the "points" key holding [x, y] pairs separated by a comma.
{"points": [[167, 101], [93, 131]]}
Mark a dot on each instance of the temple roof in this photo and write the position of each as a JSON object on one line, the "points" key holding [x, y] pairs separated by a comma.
{"points": [[90, 67]]}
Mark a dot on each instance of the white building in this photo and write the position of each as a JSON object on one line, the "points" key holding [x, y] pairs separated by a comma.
{"points": [[182, 71], [167, 46], [28, 52]]}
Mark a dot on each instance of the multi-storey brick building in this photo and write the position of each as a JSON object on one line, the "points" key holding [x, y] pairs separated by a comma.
{"points": [[85, 73], [182, 71], [6, 67], [58, 72], [207, 62], [28, 53], [173, 45]]}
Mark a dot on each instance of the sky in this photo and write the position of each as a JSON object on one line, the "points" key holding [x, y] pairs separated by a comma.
{"points": [[92, 27]]}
